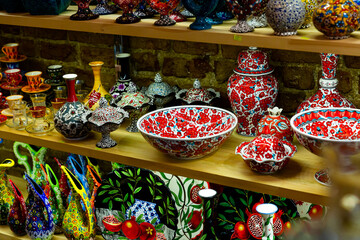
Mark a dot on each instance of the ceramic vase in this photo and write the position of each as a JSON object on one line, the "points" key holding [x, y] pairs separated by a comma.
{"points": [[201, 9], [63, 185], [92, 99], [337, 19], [103, 8], [40, 220], [252, 89], [123, 76], [285, 16], [164, 7], [68, 120], [267, 212], [327, 96], [80, 173], [6, 195], [83, 12], [143, 11], [310, 6], [78, 224], [208, 201], [18, 212], [242, 9], [127, 6]]}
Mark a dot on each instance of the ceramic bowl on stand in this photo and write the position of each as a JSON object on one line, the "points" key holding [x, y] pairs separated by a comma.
{"points": [[160, 91], [197, 94]]}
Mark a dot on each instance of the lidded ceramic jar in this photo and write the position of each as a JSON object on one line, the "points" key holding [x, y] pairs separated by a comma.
{"points": [[252, 89], [197, 94], [275, 124], [285, 16], [161, 91]]}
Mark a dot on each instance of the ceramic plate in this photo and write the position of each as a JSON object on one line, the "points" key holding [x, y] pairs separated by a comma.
{"points": [[6, 60], [42, 88], [7, 112], [6, 86]]}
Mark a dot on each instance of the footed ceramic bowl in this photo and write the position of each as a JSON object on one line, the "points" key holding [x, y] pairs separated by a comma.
{"points": [[266, 154], [187, 132]]}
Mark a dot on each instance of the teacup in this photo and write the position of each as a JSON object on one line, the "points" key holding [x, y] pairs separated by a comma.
{"points": [[55, 72], [34, 79], [13, 99], [11, 50], [13, 77]]}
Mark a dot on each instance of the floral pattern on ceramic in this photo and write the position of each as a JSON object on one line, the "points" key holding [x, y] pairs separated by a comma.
{"points": [[252, 89], [200, 9], [276, 125], [329, 63], [337, 19], [83, 12], [187, 131], [160, 91], [103, 8], [18, 212], [78, 168], [197, 94], [39, 226], [104, 120], [285, 16], [266, 154], [310, 6], [127, 6], [6, 195], [164, 7], [68, 120]]}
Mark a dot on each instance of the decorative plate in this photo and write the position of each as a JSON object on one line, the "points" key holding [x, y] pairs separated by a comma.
{"points": [[42, 88], [6, 86], [7, 112], [6, 59]]}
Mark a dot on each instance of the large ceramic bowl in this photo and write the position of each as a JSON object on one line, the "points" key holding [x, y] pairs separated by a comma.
{"points": [[187, 132]]}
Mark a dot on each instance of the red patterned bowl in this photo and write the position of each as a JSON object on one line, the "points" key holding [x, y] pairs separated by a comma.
{"points": [[266, 154], [187, 132]]}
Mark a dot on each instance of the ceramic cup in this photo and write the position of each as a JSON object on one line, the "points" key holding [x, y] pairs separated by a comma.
{"points": [[12, 99], [11, 50], [55, 72], [13, 77], [34, 79]]}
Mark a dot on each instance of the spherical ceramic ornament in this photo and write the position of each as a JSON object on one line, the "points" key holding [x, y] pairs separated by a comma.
{"points": [[337, 19], [310, 6], [285, 16]]}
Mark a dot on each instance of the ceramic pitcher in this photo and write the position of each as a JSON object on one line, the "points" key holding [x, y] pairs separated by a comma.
{"points": [[79, 170], [63, 185], [78, 224], [6, 195], [97, 183], [18, 212]]}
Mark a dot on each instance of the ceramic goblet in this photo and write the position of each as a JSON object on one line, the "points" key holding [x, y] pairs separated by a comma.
{"points": [[164, 7], [83, 12], [127, 6], [103, 8], [201, 9]]}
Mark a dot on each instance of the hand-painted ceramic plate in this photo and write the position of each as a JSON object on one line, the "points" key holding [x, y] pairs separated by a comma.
{"points": [[6, 86], [130, 191], [3, 118], [7, 112], [20, 58], [42, 88]]}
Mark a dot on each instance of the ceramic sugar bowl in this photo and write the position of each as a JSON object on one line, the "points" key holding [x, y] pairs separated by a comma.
{"points": [[197, 94], [266, 154], [105, 119], [161, 91]]}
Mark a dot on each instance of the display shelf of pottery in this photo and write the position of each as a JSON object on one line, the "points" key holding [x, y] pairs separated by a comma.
{"points": [[105, 119], [266, 154], [200, 9], [160, 91], [164, 7], [285, 16], [197, 94], [127, 6], [83, 12], [136, 104], [252, 89]]}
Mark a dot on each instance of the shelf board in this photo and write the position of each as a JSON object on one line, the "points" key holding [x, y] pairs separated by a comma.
{"points": [[307, 40], [296, 181]]}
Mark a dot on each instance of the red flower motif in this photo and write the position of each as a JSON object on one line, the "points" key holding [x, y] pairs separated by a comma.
{"points": [[148, 231]]}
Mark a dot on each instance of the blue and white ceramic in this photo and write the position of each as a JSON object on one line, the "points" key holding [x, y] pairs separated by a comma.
{"points": [[144, 208], [285, 16], [201, 9]]}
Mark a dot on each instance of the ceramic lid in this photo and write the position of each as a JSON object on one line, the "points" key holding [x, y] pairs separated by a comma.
{"points": [[133, 98], [107, 114], [197, 93], [253, 62], [159, 87]]}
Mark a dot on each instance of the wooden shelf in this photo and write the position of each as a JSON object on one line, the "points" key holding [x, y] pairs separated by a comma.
{"points": [[296, 181], [307, 40]]}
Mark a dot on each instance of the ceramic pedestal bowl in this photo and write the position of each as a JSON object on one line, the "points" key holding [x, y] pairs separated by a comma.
{"points": [[329, 128], [187, 132]]}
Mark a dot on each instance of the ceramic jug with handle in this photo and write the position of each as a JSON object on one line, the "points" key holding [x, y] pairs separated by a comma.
{"points": [[18, 212], [6, 195]]}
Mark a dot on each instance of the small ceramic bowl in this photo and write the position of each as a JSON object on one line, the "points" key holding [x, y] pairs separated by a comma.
{"points": [[266, 154]]}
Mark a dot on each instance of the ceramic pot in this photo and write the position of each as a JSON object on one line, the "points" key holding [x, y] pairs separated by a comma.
{"points": [[78, 224], [160, 91], [285, 16], [252, 89], [127, 6], [68, 120], [201, 9], [92, 99], [310, 6], [39, 226], [327, 96], [83, 12], [18, 212], [6, 195], [143, 11], [337, 19], [276, 125], [164, 7], [103, 8]]}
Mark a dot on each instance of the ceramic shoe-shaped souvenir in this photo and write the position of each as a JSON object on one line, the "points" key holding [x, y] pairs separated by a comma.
{"points": [[275, 124], [136, 104], [127, 6], [266, 154], [103, 8], [104, 120], [160, 91], [83, 12], [78, 224], [197, 94], [164, 7], [18, 212], [252, 89], [39, 221], [201, 9], [337, 19], [327, 95], [6, 195]]}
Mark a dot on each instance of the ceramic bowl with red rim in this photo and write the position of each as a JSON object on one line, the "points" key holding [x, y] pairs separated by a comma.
{"points": [[187, 132], [266, 154]]}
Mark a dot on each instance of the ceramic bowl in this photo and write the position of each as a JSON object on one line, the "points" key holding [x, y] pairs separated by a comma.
{"points": [[187, 132], [266, 154], [253, 62]]}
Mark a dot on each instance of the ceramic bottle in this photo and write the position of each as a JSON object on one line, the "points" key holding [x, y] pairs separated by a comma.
{"points": [[18, 212], [6, 195]]}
